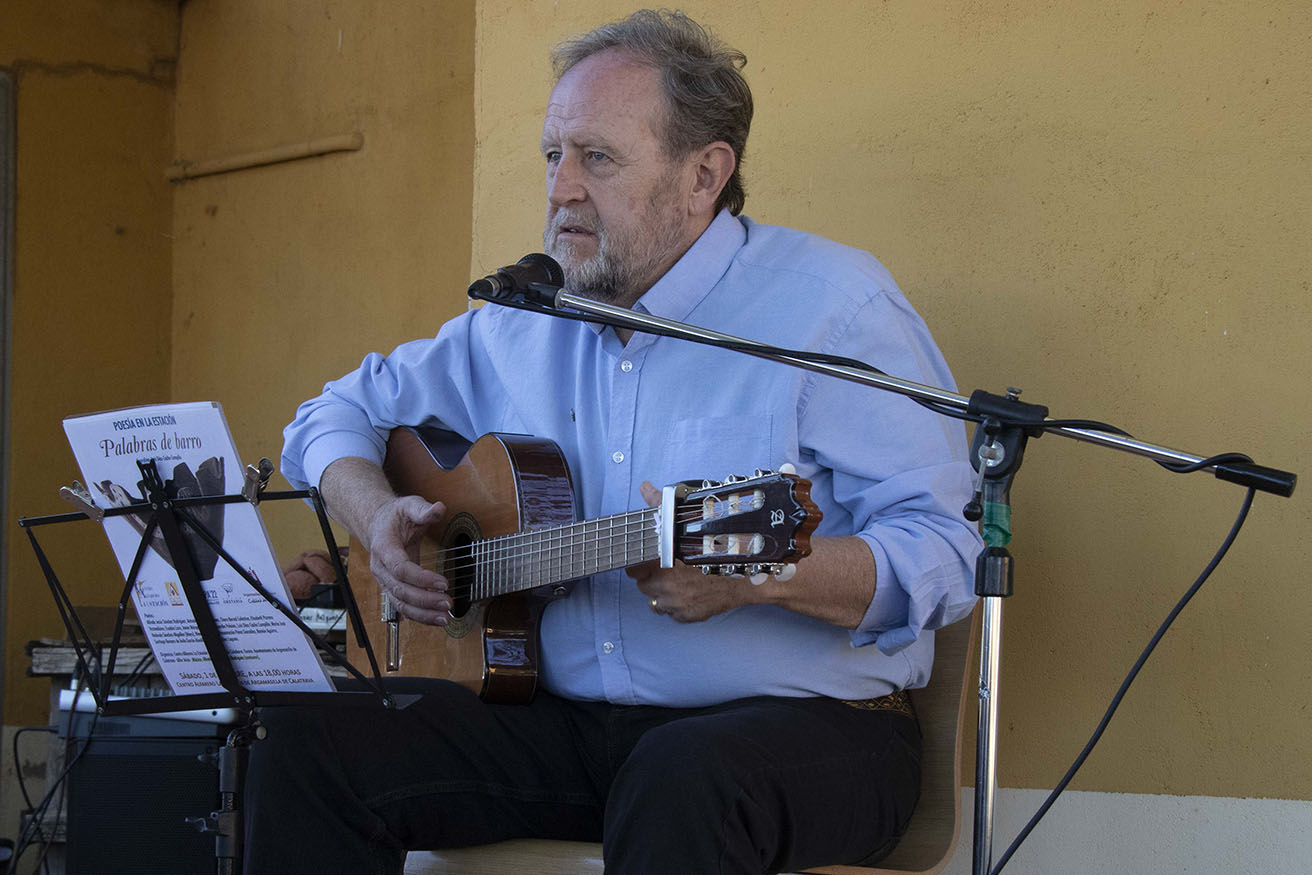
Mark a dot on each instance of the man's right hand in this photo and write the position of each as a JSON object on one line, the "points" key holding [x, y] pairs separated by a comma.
{"points": [[394, 535], [390, 527]]}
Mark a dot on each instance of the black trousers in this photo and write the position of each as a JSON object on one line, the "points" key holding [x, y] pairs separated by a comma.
{"points": [[749, 786]]}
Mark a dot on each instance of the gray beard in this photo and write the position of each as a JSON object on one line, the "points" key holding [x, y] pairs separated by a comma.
{"points": [[623, 268], [619, 272], [598, 277]]}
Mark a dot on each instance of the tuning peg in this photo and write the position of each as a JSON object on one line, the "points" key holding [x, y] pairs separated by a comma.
{"points": [[709, 484], [759, 574], [734, 478], [787, 468], [760, 472]]}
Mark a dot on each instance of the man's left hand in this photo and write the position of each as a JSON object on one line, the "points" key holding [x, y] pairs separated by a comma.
{"points": [[683, 593]]}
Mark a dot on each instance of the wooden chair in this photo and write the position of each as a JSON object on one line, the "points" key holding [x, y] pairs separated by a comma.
{"points": [[945, 716]]}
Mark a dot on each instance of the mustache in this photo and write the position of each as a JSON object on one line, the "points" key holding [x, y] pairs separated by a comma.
{"points": [[565, 219]]}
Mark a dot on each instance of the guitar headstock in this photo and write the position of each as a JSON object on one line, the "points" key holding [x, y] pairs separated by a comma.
{"points": [[745, 525]]}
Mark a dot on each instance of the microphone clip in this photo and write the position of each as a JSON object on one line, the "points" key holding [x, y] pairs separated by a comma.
{"points": [[541, 294], [998, 447]]}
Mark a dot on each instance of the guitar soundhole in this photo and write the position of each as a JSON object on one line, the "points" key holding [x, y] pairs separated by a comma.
{"points": [[458, 567]]}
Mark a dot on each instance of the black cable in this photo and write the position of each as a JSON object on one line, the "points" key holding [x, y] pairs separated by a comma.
{"points": [[18, 766], [138, 670], [47, 842], [35, 826], [1222, 459], [1125, 685], [1086, 424]]}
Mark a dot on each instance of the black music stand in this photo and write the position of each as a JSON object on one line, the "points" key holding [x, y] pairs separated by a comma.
{"points": [[170, 516]]}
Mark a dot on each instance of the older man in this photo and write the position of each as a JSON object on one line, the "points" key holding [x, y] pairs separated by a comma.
{"points": [[691, 723]]}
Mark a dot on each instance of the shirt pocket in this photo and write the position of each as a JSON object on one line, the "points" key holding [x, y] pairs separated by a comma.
{"points": [[713, 447]]}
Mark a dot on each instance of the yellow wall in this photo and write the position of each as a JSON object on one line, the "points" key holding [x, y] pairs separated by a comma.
{"points": [[285, 276], [1107, 205], [91, 302]]}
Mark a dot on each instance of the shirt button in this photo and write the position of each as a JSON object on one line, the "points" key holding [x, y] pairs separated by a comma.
{"points": [[626, 366], [617, 457], [607, 647]]}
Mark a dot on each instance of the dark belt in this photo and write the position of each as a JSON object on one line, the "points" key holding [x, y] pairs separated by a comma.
{"points": [[898, 701]]}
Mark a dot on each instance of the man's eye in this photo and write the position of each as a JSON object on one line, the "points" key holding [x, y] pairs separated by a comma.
{"points": [[552, 155], [597, 157]]}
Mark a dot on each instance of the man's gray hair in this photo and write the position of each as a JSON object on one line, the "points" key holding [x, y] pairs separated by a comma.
{"points": [[707, 98]]}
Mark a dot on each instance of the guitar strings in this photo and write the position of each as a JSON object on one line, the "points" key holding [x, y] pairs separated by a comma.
{"points": [[478, 591], [476, 552], [492, 570], [522, 575], [510, 559], [516, 556], [553, 550], [625, 523]]}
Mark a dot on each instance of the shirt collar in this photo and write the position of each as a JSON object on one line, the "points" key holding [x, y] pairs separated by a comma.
{"points": [[693, 276]]}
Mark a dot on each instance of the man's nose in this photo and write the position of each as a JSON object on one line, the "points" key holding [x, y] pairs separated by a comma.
{"points": [[565, 183]]}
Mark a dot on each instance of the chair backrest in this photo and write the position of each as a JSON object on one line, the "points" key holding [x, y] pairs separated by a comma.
{"points": [[945, 714], [929, 841]]}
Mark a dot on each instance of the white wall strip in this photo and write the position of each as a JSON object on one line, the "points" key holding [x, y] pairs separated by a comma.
{"points": [[1089, 833]]}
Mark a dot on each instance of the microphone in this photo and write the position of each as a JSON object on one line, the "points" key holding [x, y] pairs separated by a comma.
{"points": [[533, 269]]}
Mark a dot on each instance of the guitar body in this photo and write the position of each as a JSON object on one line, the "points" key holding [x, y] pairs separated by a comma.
{"points": [[499, 485]]}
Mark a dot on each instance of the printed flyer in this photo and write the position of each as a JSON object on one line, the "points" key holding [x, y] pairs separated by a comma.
{"points": [[195, 456]]}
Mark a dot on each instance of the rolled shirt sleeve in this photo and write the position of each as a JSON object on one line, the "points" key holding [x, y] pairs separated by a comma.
{"points": [[901, 473]]}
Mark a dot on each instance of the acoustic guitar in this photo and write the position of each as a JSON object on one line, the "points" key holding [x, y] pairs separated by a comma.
{"points": [[510, 542]]}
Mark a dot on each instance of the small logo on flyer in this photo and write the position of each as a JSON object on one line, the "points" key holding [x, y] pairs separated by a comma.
{"points": [[148, 597], [175, 594]]}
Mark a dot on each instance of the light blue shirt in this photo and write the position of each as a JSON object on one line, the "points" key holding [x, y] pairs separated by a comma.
{"points": [[665, 410]]}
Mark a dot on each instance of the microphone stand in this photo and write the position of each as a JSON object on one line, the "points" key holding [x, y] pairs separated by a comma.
{"points": [[1006, 423]]}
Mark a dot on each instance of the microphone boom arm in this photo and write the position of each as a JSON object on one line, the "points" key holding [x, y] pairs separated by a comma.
{"points": [[975, 407]]}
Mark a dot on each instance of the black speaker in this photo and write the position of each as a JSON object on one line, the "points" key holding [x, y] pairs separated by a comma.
{"points": [[130, 790]]}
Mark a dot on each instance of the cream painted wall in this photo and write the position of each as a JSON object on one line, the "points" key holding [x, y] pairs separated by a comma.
{"points": [[1106, 204], [91, 306], [285, 276]]}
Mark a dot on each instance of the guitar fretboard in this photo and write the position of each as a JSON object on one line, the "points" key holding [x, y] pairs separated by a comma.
{"points": [[525, 560]]}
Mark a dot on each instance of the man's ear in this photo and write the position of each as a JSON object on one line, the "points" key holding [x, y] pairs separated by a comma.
{"points": [[712, 167]]}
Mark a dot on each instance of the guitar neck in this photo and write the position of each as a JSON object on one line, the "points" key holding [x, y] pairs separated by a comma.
{"points": [[542, 557]]}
